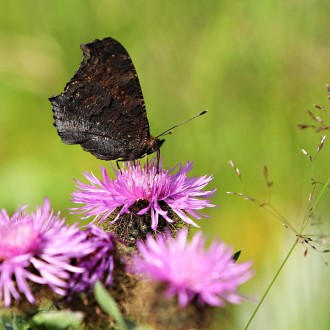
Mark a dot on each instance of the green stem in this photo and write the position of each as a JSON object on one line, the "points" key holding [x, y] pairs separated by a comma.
{"points": [[271, 284], [288, 255], [325, 186]]}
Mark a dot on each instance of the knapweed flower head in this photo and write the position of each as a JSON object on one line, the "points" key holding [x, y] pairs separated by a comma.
{"points": [[190, 271], [97, 265], [155, 190], [37, 248]]}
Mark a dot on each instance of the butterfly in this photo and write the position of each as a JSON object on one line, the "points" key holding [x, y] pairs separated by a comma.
{"points": [[102, 106]]}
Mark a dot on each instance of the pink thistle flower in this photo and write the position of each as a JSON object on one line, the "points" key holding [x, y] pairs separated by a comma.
{"points": [[98, 265], [157, 188], [190, 271], [37, 247]]}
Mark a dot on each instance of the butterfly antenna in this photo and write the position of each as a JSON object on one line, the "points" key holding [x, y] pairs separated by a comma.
{"points": [[169, 131]]}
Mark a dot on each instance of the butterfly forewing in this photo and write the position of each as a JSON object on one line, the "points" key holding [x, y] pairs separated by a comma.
{"points": [[102, 106]]}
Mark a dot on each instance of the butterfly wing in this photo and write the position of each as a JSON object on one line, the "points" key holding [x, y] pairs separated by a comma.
{"points": [[102, 107]]}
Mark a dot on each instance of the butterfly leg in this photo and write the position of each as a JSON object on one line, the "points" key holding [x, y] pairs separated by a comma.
{"points": [[158, 159], [147, 161], [117, 163]]}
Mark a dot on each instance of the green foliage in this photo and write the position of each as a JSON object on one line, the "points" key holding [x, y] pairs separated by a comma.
{"points": [[58, 320], [14, 323], [109, 305], [64, 319]]}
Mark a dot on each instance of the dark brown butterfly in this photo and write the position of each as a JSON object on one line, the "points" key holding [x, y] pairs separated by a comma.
{"points": [[102, 106]]}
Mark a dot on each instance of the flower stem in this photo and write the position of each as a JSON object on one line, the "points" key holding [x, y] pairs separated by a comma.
{"points": [[271, 284], [326, 185]]}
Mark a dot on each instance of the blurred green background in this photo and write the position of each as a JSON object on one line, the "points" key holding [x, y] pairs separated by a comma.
{"points": [[256, 66]]}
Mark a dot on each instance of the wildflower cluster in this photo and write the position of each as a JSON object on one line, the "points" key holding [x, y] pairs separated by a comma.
{"points": [[40, 249]]}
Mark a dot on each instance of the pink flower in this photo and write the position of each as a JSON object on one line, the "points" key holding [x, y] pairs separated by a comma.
{"points": [[98, 265], [190, 271], [37, 247], [134, 183]]}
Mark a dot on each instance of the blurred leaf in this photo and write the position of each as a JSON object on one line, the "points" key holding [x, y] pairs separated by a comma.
{"points": [[58, 320], [133, 326], [236, 255], [109, 305], [14, 323]]}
